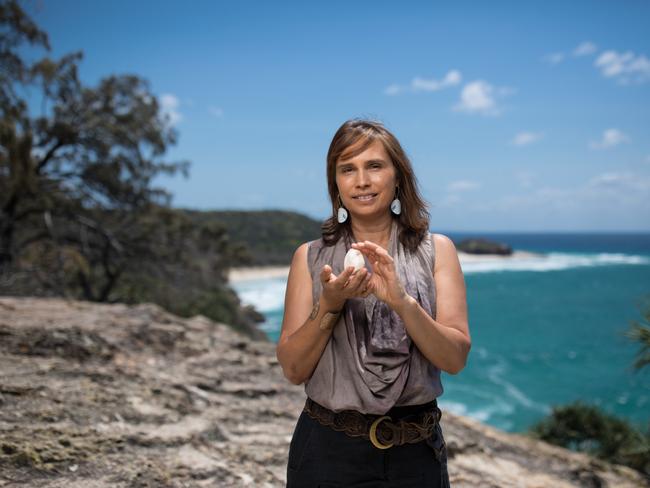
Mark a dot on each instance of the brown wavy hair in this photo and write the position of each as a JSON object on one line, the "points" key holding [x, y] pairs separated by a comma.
{"points": [[414, 218]]}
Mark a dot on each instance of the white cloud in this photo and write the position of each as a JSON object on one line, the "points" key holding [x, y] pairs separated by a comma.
{"points": [[616, 180], [453, 77], [525, 138], [525, 178], [462, 185], [610, 138], [626, 68], [450, 200], [503, 91], [393, 89], [169, 105], [585, 48], [619, 186], [455, 189], [609, 189], [216, 111], [479, 97], [554, 58]]}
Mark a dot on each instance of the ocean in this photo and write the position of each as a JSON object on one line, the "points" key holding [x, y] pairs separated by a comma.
{"points": [[545, 331]]}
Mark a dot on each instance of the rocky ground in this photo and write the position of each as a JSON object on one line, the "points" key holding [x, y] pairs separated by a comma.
{"points": [[131, 396]]}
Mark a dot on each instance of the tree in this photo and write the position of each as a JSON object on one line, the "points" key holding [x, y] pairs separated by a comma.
{"points": [[586, 428], [76, 180], [640, 332], [79, 214]]}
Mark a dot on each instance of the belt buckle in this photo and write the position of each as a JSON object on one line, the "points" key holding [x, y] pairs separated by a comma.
{"points": [[373, 433]]}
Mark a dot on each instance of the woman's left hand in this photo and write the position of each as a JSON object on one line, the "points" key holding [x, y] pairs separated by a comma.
{"points": [[384, 282]]}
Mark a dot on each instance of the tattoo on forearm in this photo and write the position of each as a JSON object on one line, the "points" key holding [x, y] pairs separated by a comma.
{"points": [[314, 311], [329, 320]]}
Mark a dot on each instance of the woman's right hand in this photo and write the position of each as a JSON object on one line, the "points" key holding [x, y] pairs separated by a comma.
{"points": [[349, 284]]}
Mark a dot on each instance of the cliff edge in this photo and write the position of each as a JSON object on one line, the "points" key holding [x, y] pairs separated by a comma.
{"points": [[132, 396]]}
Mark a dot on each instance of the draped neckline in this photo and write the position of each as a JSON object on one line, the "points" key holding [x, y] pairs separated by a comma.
{"points": [[384, 347]]}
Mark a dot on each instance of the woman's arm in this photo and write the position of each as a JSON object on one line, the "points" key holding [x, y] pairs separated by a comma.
{"points": [[446, 341], [304, 333]]}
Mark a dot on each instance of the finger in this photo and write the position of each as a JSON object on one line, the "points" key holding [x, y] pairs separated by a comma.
{"points": [[383, 255], [369, 253], [374, 252], [344, 277], [377, 249], [371, 245], [325, 273], [357, 280], [381, 262], [361, 245], [384, 270], [352, 282], [378, 256], [367, 286], [368, 280]]}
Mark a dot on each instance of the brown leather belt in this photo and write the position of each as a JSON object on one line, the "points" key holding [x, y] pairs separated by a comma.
{"points": [[381, 430]]}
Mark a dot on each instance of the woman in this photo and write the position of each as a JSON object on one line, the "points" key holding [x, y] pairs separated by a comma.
{"points": [[369, 344]]}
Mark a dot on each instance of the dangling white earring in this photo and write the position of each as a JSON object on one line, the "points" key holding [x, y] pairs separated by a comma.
{"points": [[342, 214], [396, 205]]}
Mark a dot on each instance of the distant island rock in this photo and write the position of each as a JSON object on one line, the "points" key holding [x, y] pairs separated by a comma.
{"points": [[483, 246], [114, 395]]}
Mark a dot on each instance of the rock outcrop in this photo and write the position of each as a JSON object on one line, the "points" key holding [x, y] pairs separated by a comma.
{"points": [[131, 396], [484, 246]]}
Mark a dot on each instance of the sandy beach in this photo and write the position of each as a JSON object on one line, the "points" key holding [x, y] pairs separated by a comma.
{"points": [[252, 273], [257, 273]]}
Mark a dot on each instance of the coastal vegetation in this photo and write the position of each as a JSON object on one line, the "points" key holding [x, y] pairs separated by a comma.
{"points": [[80, 216], [582, 427], [265, 237]]}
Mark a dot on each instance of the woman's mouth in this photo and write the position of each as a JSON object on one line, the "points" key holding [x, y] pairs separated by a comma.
{"points": [[367, 197]]}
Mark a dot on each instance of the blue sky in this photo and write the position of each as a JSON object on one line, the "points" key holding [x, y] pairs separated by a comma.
{"points": [[518, 116]]}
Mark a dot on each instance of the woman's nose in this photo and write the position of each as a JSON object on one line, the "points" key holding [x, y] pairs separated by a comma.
{"points": [[362, 179]]}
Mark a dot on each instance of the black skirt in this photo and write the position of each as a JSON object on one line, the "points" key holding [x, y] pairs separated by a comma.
{"points": [[320, 456]]}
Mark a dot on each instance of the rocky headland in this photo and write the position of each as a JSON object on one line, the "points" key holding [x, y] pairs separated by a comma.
{"points": [[96, 395]]}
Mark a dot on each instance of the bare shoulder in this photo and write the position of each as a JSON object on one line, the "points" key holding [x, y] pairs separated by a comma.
{"points": [[301, 251], [297, 299], [446, 255], [299, 265], [451, 292]]}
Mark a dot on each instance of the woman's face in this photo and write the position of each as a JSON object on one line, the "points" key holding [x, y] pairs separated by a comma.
{"points": [[367, 182]]}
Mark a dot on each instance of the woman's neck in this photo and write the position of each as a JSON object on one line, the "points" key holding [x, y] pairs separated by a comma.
{"points": [[374, 231]]}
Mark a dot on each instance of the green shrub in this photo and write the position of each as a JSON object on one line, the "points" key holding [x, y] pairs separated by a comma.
{"points": [[586, 428]]}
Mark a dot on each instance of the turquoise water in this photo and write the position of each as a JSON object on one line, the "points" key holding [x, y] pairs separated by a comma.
{"points": [[545, 331]]}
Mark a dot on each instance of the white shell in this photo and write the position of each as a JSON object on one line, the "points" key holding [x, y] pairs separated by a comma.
{"points": [[354, 257]]}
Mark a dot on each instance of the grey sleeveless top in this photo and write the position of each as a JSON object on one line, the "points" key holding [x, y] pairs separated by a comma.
{"points": [[370, 363]]}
